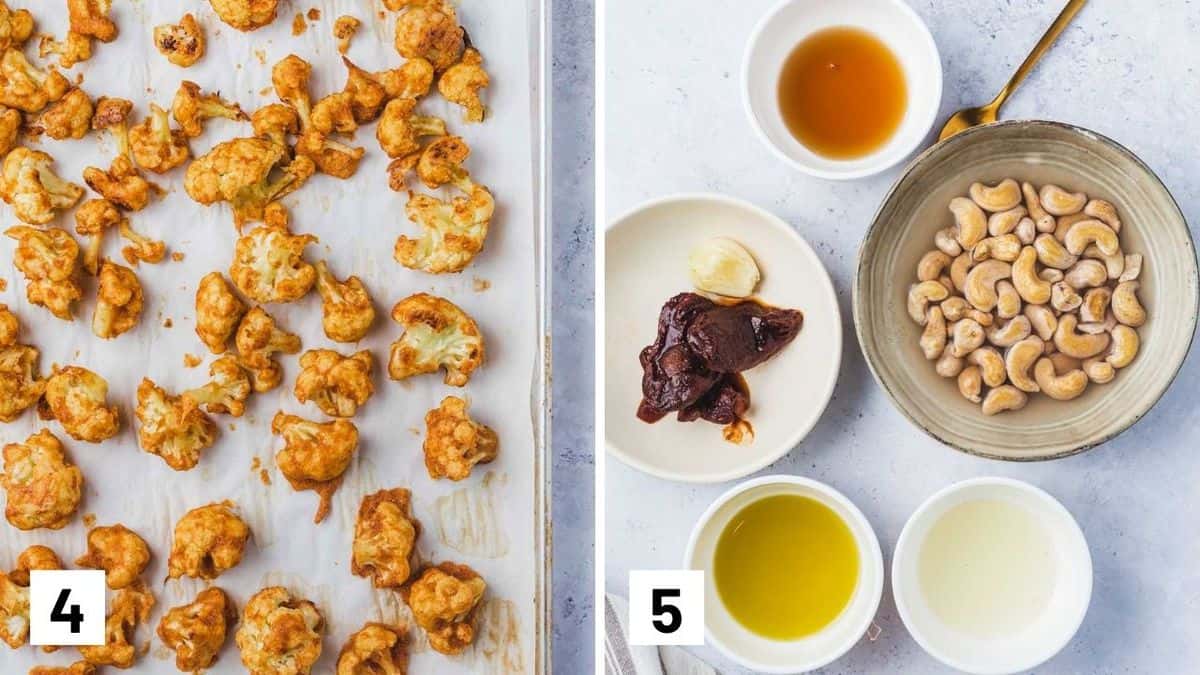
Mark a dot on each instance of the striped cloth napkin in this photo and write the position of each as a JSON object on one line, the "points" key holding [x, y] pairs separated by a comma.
{"points": [[622, 658]]}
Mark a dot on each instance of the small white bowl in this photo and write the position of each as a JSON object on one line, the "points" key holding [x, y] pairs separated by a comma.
{"points": [[1032, 646], [894, 23], [764, 655]]}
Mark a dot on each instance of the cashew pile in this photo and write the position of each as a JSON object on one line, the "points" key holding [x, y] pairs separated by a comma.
{"points": [[1029, 291]]}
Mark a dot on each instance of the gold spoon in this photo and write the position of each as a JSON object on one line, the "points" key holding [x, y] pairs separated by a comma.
{"points": [[970, 117]]}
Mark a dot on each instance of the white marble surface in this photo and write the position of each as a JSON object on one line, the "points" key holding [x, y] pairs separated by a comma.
{"points": [[1128, 70]]}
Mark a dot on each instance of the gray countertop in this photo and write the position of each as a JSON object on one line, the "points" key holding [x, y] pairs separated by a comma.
{"points": [[1128, 70]]}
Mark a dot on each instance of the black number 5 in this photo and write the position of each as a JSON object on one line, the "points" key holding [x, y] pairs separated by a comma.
{"points": [[74, 617], [659, 607]]}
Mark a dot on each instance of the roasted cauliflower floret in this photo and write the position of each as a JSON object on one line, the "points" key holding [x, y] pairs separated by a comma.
{"points": [[43, 487], [337, 384], [48, 258], [11, 122], [370, 91], [314, 455], [14, 612], [156, 146], [15, 26], [290, 78], [377, 649], [431, 33], [346, 308], [10, 327], [438, 164], [444, 602], [196, 631], [461, 83], [182, 43], [208, 541], [453, 232], [90, 18], [400, 129], [70, 117], [119, 551], [77, 668], [227, 391], [191, 108], [259, 338], [172, 427], [437, 334], [276, 122], [112, 114], [218, 311], [335, 114], [269, 266], [118, 301], [385, 535], [27, 88], [92, 219], [77, 398], [344, 29], [454, 443], [20, 386], [30, 186], [280, 633], [239, 171], [122, 184], [246, 15], [331, 157], [130, 608], [141, 248], [75, 48], [35, 557]]}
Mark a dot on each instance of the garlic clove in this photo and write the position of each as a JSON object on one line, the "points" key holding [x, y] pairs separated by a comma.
{"points": [[722, 266]]}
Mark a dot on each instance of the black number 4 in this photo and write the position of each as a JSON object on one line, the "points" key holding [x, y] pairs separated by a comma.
{"points": [[659, 607], [75, 616]]}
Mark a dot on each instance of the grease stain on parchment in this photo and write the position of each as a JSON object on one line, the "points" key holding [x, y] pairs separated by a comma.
{"points": [[466, 519], [498, 641]]}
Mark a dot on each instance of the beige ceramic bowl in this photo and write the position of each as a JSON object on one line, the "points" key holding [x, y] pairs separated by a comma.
{"points": [[916, 207]]}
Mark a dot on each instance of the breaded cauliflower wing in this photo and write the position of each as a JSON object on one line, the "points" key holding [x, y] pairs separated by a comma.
{"points": [[376, 649], [122, 184], [246, 15], [26, 87], [44, 488], [92, 219], [130, 608], [437, 334], [20, 386], [14, 612], [172, 427], [344, 29], [30, 186], [370, 91], [182, 43], [239, 171], [314, 455], [69, 117], [156, 146], [452, 233], [400, 129], [337, 384], [77, 398], [118, 301], [35, 557], [432, 33], [346, 308], [208, 541], [461, 82], [196, 631], [77, 668], [454, 443], [15, 27], [385, 535], [218, 311], [191, 108], [119, 551], [280, 633], [444, 601], [49, 259], [11, 122], [228, 390], [269, 266]]}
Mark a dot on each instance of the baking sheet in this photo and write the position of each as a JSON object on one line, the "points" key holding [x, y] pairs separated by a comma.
{"points": [[496, 520]]}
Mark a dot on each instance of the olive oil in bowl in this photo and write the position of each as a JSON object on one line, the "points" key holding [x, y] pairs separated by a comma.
{"points": [[786, 566]]}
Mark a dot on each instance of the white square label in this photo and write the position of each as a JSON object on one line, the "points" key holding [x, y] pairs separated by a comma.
{"points": [[66, 607], [666, 607]]}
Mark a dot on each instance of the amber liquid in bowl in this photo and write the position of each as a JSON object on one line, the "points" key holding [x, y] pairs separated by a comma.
{"points": [[842, 93]]}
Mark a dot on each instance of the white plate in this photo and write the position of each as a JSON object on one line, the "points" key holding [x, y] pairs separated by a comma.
{"points": [[646, 264]]}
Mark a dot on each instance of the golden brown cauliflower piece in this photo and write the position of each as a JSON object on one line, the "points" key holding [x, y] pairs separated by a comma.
{"points": [[314, 455], [370, 91], [112, 114], [431, 33], [75, 48], [14, 612], [444, 601], [156, 146], [290, 78], [49, 259], [191, 108], [172, 427], [385, 535], [11, 122], [182, 43], [92, 219], [10, 327], [44, 488], [77, 668], [27, 88], [129, 609], [122, 184], [246, 15], [377, 649], [337, 384], [280, 633], [269, 266], [20, 386], [346, 308], [344, 29], [454, 443], [259, 338], [218, 311], [276, 122], [227, 391], [119, 551], [90, 18], [452, 234], [30, 186], [208, 541], [335, 114], [118, 301], [437, 164], [400, 129], [70, 117], [461, 83], [239, 171], [196, 631], [15, 26], [141, 248], [437, 334], [35, 557], [77, 398], [331, 157]]}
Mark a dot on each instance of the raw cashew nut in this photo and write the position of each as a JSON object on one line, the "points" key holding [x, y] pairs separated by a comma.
{"points": [[949, 365], [933, 338], [919, 297], [1079, 345], [1133, 268], [954, 307], [972, 224], [931, 265], [1032, 289], [1064, 298], [1085, 232], [1113, 264], [946, 242], [1042, 320], [1004, 397], [1098, 370], [1105, 325], [970, 384], [1051, 275], [1042, 220], [1005, 335], [1095, 305], [980, 287], [1059, 202], [1005, 222], [1008, 301], [1125, 304], [1005, 247], [1104, 211], [1086, 274], [1001, 197], [1059, 387], [1019, 360], [1062, 363], [946, 281], [1053, 254], [984, 319], [990, 364], [1125, 344], [1065, 223], [1026, 231], [967, 336], [958, 270]]}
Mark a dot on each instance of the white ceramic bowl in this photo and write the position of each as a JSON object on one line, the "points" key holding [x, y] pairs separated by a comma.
{"points": [[761, 654], [1040, 641], [893, 22], [646, 265]]}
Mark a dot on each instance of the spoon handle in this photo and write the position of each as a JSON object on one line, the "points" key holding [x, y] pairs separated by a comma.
{"points": [[1039, 49]]}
